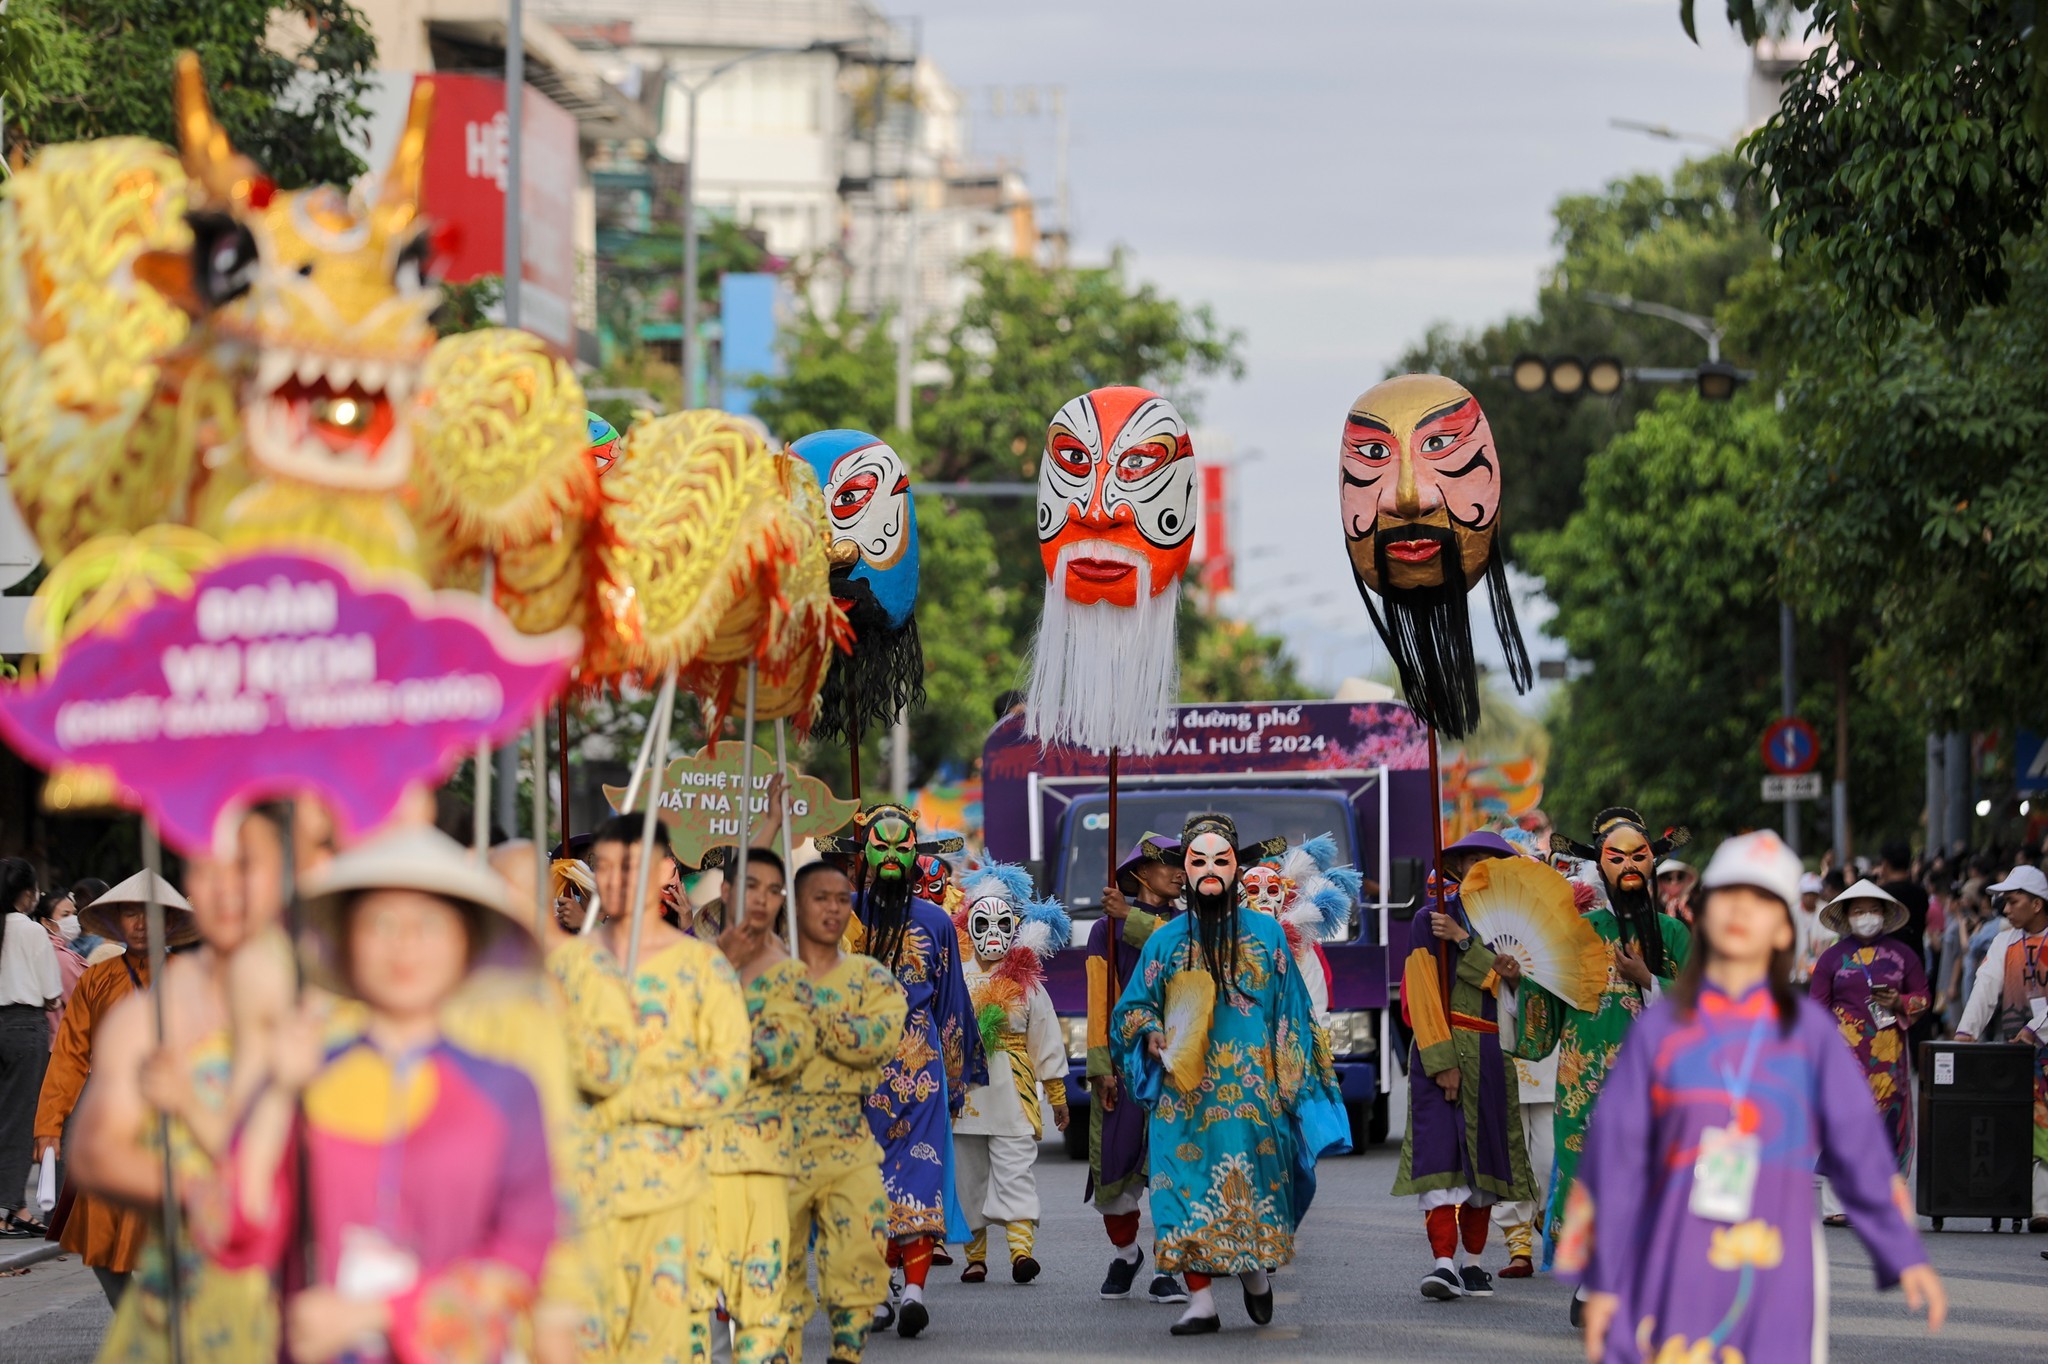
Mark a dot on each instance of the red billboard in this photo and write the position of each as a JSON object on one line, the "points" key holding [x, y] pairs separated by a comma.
{"points": [[464, 187]]}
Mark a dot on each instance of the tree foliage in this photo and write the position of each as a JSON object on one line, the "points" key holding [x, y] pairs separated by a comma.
{"points": [[1666, 582], [1678, 243], [97, 68]]}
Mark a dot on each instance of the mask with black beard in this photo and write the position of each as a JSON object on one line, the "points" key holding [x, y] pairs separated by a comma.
{"points": [[885, 909], [882, 675], [1627, 858], [1637, 912], [1212, 869]]}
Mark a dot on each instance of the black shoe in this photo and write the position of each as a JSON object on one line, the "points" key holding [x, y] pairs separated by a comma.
{"points": [[885, 1317], [940, 1255], [1441, 1285], [1478, 1283], [1259, 1306], [1024, 1269], [1578, 1312], [1116, 1285], [912, 1318], [1166, 1289], [1197, 1326]]}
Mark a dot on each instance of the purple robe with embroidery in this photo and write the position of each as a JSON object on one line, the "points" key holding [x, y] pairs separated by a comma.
{"points": [[1842, 981], [1691, 1287], [1116, 1138]]}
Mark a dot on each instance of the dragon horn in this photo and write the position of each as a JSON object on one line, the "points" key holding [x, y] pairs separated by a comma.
{"points": [[402, 182], [210, 159]]}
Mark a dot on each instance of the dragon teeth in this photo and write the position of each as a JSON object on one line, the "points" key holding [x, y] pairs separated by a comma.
{"points": [[273, 370]]}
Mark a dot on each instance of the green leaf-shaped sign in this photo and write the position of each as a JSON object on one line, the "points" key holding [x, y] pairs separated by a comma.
{"points": [[700, 801]]}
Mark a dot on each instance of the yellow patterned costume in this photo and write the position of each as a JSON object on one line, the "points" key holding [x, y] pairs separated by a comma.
{"points": [[836, 1191], [744, 1247], [660, 1064], [229, 1315]]}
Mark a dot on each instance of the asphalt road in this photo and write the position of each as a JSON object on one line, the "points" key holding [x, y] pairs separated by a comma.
{"points": [[1351, 1295]]}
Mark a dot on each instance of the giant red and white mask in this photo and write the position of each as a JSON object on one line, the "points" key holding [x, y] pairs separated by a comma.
{"points": [[1211, 862], [1265, 890], [1116, 497]]}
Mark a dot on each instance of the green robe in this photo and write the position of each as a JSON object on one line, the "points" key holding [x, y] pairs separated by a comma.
{"points": [[1586, 1044]]}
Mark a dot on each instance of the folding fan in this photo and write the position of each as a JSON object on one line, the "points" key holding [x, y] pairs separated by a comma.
{"points": [[1525, 909], [1190, 999]]}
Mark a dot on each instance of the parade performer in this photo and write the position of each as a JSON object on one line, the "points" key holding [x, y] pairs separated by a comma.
{"points": [[1536, 1086], [874, 579], [1648, 950], [659, 1062], [745, 1250], [1419, 483], [226, 1315], [422, 1186], [105, 1235], [941, 1055], [1006, 936], [1145, 894], [1215, 1032], [1876, 988], [1691, 1226], [1312, 897], [836, 1200], [2009, 1000], [1463, 1150]]}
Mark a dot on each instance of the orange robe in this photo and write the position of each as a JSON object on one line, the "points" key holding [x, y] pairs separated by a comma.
{"points": [[102, 1234]]}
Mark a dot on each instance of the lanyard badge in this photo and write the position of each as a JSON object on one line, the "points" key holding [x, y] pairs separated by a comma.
{"points": [[1730, 1158]]}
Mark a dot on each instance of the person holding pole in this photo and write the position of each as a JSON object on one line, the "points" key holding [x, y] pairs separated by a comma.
{"points": [[836, 1200], [1146, 893], [140, 1078], [659, 1062], [744, 1251]]}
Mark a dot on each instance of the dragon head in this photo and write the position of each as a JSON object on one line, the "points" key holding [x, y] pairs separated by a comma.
{"points": [[317, 302]]}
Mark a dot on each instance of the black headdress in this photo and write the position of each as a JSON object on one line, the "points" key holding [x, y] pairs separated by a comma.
{"points": [[885, 905], [1635, 911]]}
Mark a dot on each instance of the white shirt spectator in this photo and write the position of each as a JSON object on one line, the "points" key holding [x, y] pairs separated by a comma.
{"points": [[28, 965]]}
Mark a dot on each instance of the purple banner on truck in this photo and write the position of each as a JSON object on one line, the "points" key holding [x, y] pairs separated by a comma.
{"points": [[1238, 738]]}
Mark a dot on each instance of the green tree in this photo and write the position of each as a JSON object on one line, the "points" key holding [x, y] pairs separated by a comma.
{"points": [[1679, 243], [103, 67], [1229, 660], [1666, 582]]}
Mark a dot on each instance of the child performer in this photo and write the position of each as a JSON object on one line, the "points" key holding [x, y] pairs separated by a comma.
{"points": [[836, 1199], [1005, 937], [1692, 1222]]}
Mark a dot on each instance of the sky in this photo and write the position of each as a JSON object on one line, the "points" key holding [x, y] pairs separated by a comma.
{"points": [[1331, 177]]}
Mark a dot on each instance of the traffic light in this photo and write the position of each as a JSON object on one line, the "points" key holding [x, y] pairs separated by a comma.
{"points": [[1567, 375]]}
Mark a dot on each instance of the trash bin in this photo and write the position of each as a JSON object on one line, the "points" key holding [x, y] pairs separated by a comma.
{"points": [[1976, 1131]]}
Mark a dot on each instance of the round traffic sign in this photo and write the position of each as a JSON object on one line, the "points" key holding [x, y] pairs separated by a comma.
{"points": [[1790, 747]]}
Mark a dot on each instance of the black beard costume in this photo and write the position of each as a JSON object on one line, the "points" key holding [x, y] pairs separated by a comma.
{"points": [[1636, 912], [866, 689], [885, 909], [1216, 937], [1428, 631]]}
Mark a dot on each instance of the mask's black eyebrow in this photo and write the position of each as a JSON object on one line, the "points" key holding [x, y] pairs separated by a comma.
{"points": [[1370, 422], [1448, 409]]}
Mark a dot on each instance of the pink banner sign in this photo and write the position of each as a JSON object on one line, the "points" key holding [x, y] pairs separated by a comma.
{"points": [[279, 675]]}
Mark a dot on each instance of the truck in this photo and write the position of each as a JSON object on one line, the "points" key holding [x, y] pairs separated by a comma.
{"points": [[1358, 771]]}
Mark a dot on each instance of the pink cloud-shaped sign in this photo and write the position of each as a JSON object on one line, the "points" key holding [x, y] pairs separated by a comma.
{"points": [[281, 674]]}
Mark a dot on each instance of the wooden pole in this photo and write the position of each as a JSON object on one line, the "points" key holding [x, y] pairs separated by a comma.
{"points": [[153, 919], [736, 874], [480, 829], [542, 908], [664, 714], [1115, 928], [562, 759], [1436, 862], [788, 858]]}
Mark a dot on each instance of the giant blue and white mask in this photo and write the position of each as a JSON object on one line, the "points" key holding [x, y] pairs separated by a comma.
{"points": [[873, 523]]}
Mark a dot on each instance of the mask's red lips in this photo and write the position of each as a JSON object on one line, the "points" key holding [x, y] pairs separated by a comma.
{"points": [[1414, 551], [1103, 571]]}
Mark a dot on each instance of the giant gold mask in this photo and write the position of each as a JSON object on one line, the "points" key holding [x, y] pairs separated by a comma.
{"points": [[1420, 480]]}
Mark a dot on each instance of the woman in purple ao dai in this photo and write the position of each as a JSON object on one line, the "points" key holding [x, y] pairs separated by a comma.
{"points": [[1693, 1224]]}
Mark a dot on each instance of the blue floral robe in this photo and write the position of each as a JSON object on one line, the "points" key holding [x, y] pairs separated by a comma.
{"points": [[1233, 1160], [939, 1059]]}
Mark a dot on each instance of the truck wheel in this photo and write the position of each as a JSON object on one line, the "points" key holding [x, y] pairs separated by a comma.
{"points": [[1075, 1138], [1368, 1123], [1377, 1133]]}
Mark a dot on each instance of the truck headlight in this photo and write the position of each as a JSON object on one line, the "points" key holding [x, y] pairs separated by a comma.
{"points": [[1353, 1032]]}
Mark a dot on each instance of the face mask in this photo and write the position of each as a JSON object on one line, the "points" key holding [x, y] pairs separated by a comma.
{"points": [[68, 929], [1865, 925]]}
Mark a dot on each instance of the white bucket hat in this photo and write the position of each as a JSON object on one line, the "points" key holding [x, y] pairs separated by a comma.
{"points": [[420, 858], [1835, 917], [1759, 859]]}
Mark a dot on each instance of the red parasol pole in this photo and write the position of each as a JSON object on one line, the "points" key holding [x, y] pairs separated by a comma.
{"points": [[1436, 862]]}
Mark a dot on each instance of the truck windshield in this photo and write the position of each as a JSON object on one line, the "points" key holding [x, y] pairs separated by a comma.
{"points": [[1260, 813]]}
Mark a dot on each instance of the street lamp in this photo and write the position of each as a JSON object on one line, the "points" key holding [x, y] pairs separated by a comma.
{"points": [[686, 343]]}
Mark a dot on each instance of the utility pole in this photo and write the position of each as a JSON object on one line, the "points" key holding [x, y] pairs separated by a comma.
{"points": [[1788, 704], [906, 358], [507, 758]]}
